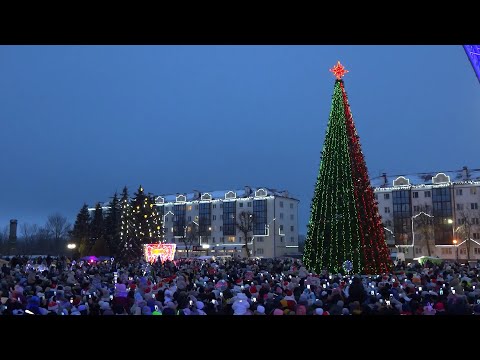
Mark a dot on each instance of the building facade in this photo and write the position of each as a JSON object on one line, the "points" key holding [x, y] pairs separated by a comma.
{"points": [[431, 214], [274, 231]]}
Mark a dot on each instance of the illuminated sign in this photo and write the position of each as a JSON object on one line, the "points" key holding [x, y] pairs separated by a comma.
{"points": [[162, 251]]}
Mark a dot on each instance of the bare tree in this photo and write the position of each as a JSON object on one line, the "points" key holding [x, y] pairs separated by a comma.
{"points": [[58, 227], [245, 226], [4, 233], [424, 227], [29, 234], [466, 220], [190, 236]]}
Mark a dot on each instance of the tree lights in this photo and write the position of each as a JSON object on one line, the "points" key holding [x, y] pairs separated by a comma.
{"points": [[344, 222]]}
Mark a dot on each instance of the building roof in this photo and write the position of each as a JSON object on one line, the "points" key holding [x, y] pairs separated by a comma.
{"points": [[415, 179], [220, 194]]}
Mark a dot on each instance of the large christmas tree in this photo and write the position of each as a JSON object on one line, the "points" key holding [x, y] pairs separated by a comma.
{"points": [[345, 231], [140, 225]]}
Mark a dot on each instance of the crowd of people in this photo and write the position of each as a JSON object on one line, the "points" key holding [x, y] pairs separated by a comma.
{"points": [[257, 287]]}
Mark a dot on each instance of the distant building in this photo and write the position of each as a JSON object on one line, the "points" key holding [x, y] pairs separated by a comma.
{"points": [[431, 212], [274, 233]]}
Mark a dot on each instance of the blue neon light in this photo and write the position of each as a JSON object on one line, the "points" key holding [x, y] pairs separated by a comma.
{"points": [[473, 53]]}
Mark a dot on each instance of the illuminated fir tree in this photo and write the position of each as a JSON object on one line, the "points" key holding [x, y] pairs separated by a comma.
{"points": [[81, 231], [345, 227], [113, 225], [142, 225], [126, 243]]}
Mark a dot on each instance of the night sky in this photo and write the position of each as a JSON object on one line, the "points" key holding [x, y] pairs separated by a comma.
{"points": [[80, 122]]}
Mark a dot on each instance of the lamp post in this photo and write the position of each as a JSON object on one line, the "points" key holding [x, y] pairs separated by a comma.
{"points": [[71, 247], [456, 249]]}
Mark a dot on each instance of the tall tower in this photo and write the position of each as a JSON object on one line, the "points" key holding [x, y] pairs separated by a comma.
{"points": [[12, 239], [345, 232]]}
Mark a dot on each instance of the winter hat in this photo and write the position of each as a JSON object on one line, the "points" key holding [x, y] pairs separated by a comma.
{"points": [[318, 311], [17, 312], [278, 312], [146, 310], [439, 306], [200, 305], [345, 311], [240, 310], [43, 311], [260, 310]]}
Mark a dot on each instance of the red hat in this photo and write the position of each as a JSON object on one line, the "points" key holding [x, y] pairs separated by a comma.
{"points": [[147, 290], [395, 284], [433, 280], [133, 287], [253, 289], [155, 287], [289, 293], [285, 283], [149, 283], [238, 281], [439, 306]]}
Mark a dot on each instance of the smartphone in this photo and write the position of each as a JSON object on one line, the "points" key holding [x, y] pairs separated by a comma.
{"points": [[214, 301], [349, 281], [156, 307], [254, 299], [478, 301], [221, 294], [391, 295], [453, 291], [90, 296], [441, 291], [242, 287], [190, 302], [419, 288], [71, 301], [324, 286], [111, 297], [381, 301], [153, 296], [387, 302], [372, 292]]}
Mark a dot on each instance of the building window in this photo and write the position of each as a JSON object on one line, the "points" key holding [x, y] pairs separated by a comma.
{"points": [[291, 205], [229, 218], [260, 217], [189, 218], [462, 251], [427, 194], [461, 221], [281, 228], [291, 228], [386, 196], [259, 239], [189, 208], [291, 216], [281, 239], [214, 217], [213, 239], [459, 206], [221, 228], [240, 204], [473, 190], [387, 210], [221, 206], [249, 204], [259, 251], [416, 208], [418, 250], [281, 204], [415, 194], [239, 239], [231, 239], [388, 223], [474, 221], [205, 222], [474, 206], [476, 251], [376, 196], [196, 207], [447, 251], [214, 206], [476, 235], [179, 218], [458, 192], [292, 239], [281, 215], [222, 239]]}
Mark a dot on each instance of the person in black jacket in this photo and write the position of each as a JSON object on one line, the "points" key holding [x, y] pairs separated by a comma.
{"points": [[356, 291]]}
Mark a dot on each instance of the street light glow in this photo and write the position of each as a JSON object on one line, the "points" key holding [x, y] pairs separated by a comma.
{"points": [[450, 221], [71, 246]]}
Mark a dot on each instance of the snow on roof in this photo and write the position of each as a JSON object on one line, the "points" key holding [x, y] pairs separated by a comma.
{"points": [[425, 178]]}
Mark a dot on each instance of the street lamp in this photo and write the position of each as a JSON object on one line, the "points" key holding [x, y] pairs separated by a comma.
{"points": [[71, 246], [456, 249]]}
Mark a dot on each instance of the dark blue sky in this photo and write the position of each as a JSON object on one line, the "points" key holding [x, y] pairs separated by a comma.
{"points": [[79, 122]]}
